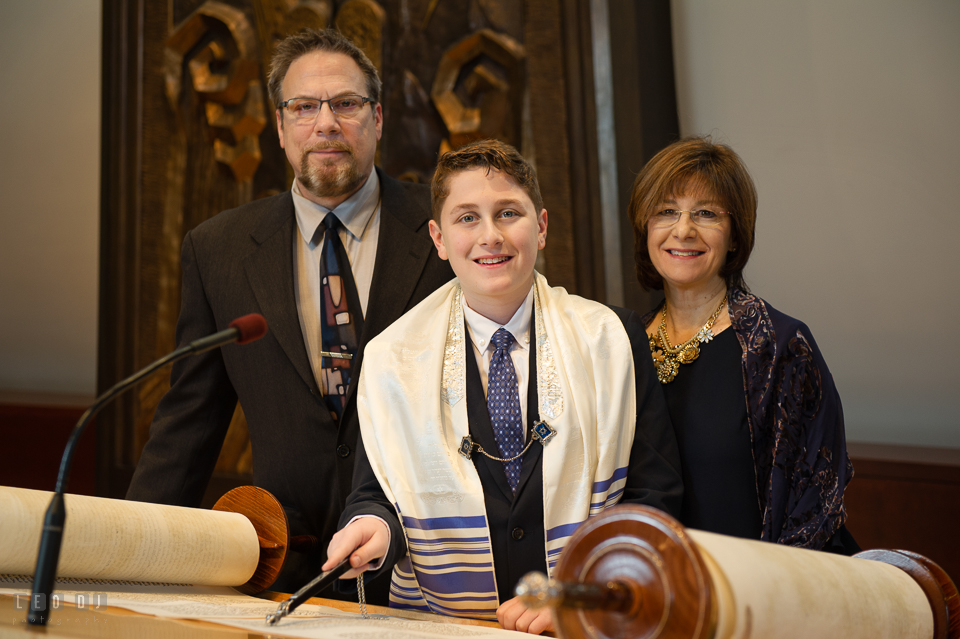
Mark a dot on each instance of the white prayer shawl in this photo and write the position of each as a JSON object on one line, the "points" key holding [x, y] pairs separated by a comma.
{"points": [[413, 415]]}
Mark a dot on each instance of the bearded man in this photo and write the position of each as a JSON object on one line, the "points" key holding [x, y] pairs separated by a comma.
{"points": [[312, 262]]}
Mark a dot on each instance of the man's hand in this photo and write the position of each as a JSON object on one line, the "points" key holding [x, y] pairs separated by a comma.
{"points": [[514, 615], [365, 540]]}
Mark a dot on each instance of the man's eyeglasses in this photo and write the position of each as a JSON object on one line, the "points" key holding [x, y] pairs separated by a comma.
{"points": [[305, 110], [701, 217]]}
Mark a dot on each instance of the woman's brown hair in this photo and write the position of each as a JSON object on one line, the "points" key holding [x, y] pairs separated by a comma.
{"points": [[688, 166]]}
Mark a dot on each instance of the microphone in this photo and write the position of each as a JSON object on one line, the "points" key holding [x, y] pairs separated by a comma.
{"points": [[242, 330]]}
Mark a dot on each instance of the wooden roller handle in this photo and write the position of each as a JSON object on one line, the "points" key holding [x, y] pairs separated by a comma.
{"points": [[536, 590], [270, 522]]}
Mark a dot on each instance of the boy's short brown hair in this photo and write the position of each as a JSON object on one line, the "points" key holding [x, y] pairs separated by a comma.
{"points": [[484, 154]]}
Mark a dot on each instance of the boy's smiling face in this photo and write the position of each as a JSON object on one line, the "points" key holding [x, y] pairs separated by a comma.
{"points": [[490, 232]]}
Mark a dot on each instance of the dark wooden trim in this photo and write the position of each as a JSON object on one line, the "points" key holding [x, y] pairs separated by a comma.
{"points": [[562, 101], [584, 163], [862, 451], [906, 471], [645, 111], [42, 398], [119, 214], [908, 463], [550, 113], [906, 497]]}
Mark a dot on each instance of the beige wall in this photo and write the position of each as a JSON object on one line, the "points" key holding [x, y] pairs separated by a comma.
{"points": [[848, 115], [49, 194]]}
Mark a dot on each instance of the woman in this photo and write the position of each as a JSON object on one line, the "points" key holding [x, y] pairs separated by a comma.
{"points": [[757, 416]]}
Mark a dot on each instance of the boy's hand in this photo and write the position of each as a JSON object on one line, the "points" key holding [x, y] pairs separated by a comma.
{"points": [[365, 539], [514, 615]]}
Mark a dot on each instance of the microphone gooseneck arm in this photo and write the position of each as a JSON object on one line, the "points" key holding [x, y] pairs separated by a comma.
{"points": [[245, 329]]}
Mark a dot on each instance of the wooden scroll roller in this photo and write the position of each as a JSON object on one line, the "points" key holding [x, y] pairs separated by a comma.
{"points": [[636, 572], [242, 542], [273, 533]]}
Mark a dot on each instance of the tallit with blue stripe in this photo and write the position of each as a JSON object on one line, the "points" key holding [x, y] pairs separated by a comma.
{"points": [[411, 402]]}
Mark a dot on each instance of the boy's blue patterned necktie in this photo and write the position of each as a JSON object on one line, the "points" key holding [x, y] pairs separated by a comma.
{"points": [[503, 403]]}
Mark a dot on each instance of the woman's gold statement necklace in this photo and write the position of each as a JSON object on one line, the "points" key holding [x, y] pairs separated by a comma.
{"points": [[668, 358]]}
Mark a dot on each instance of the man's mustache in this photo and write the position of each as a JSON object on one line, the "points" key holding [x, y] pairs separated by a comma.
{"points": [[332, 145]]}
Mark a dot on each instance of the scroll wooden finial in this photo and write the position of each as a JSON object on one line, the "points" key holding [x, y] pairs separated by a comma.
{"points": [[270, 521], [632, 571]]}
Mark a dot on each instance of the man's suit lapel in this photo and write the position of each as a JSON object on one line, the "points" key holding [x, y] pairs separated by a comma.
{"points": [[402, 254], [270, 272]]}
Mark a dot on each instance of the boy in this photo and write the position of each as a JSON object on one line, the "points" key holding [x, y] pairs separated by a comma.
{"points": [[450, 489]]}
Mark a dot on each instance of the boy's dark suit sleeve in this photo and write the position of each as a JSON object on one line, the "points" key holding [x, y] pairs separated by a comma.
{"points": [[368, 498]]}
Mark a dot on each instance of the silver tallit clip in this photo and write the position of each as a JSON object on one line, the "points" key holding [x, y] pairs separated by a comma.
{"points": [[543, 432]]}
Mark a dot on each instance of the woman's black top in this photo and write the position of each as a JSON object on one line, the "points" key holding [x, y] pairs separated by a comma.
{"points": [[709, 411]]}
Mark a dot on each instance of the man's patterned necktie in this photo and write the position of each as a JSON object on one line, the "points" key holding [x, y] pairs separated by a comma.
{"points": [[503, 403], [341, 319]]}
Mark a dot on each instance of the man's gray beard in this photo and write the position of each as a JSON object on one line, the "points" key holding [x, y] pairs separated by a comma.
{"points": [[325, 180]]}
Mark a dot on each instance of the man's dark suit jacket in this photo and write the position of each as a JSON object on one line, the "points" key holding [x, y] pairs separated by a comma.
{"points": [[242, 261], [516, 522]]}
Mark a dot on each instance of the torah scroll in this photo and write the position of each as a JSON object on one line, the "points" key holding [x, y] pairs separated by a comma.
{"points": [[129, 541], [634, 571]]}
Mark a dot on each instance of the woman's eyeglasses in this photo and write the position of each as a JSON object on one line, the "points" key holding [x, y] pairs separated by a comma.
{"points": [[701, 217]]}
